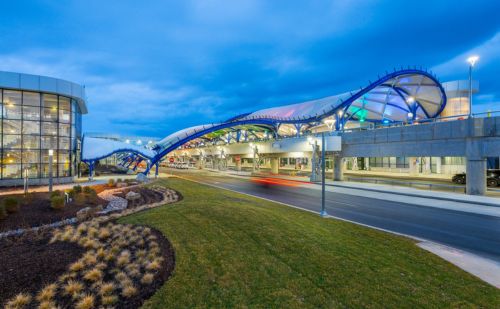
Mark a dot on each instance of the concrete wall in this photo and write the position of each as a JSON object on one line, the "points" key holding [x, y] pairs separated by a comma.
{"points": [[438, 139]]}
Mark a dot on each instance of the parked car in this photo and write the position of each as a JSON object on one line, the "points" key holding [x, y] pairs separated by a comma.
{"points": [[492, 178]]}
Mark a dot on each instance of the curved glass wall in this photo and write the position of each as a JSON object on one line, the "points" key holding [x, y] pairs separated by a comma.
{"points": [[32, 123]]}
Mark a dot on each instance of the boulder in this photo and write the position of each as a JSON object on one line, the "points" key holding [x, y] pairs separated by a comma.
{"points": [[132, 196], [87, 213]]}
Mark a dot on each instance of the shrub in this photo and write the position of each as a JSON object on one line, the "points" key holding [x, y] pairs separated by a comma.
{"points": [[80, 199], [19, 301], [77, 189], [3, 212], [119, 180], [11, 204], [86, 302], [57, 202], [147, 278], [56, 193], [109, 300], [88, 190], [47, 293], [71, 193], [72, 288], [111, 183]]}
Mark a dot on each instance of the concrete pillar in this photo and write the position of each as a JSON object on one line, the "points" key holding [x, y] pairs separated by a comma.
{"points": [[412, 161], [355, 166], [427, 166], [338, 168], [238, 163], [367, 163], [438, 165], [475, 168], [476, 176], [275, 165]]}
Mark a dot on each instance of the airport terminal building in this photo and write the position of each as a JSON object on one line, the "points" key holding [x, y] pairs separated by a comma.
{"points": [[39, 115]]}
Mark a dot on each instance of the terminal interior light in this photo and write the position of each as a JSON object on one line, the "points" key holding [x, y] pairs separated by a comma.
{"points": [[410, 115], [410, 99], [472, 60], [127, 141]]}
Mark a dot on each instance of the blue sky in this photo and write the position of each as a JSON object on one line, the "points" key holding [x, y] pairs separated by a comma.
{"points": [[153, 67]]}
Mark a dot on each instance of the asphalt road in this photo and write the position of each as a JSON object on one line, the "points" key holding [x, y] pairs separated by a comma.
{"points": [[479, 234]]}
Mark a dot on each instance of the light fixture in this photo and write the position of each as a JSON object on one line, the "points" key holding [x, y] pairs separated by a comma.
{"points": [[51, 152], [127, 141], [139, 142], [410, 115], [340, 113], [472, 60], [410, 99]]}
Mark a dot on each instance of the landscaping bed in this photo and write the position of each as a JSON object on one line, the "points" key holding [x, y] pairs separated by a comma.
{"points": [[88, 266], [35, 210], [147, 196], [29, 262]]}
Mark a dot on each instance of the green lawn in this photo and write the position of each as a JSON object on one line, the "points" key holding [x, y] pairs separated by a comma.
{"points": [[235, 251]]}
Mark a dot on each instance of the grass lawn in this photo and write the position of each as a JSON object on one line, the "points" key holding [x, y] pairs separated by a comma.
{"points": [[236, 251]]}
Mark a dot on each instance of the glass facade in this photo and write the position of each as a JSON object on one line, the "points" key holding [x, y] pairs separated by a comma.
{"points": [[31, 123]]}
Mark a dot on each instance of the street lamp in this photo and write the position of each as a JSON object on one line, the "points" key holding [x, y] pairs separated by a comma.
{"points": [[472, 61], [51, 159]]}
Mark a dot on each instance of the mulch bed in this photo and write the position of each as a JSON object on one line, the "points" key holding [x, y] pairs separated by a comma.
{"points": [[29, 262], [148, 196], [38, 212]]}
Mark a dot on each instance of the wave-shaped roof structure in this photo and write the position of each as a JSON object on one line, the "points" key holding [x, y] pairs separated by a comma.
{"points": [[400, 96]]}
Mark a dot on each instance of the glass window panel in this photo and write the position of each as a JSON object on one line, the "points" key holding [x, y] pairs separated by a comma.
{"points": [[31, 156], [12, 97], [63, 157], [31, 112], [12, 126], [31, 141], [44, 170], [49, 114], [49, 128], [64, 129], [73, 131], [11, 171], [64, 116], [31, 98], [11, 111], [64, 143], [64, 103], [12, 141], [44, 153], [50, 101], [32, 170], [64, 170], [49, 142], [12, 156], [31, 127]]}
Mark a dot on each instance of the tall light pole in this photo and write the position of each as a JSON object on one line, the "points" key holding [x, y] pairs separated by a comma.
{"points": [[323, 146], [472, 61], [51, 159]]}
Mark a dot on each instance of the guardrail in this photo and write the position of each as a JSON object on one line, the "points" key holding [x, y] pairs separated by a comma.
{"points": [[411, 184]]}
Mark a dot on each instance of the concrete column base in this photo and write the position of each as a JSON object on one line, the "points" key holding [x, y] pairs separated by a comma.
{"points": [[275, 166], [338, 168], [475, 176]]}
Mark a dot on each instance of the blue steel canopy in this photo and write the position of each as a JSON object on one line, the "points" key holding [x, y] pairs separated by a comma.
{"points": [[400, 96], [397, 97]]}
